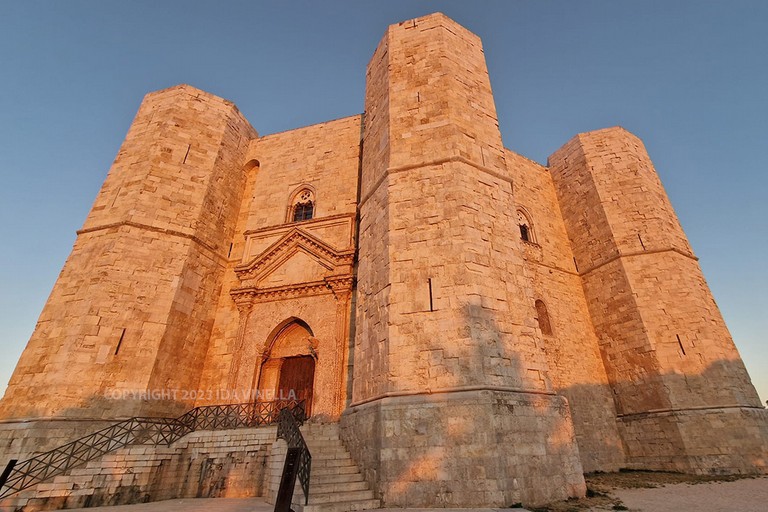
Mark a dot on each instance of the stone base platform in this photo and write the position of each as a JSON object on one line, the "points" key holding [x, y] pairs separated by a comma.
{"points": [[466, 448], [712, 440]]}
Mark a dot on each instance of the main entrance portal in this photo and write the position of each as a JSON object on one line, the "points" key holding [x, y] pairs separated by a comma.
{"points": [[288, 366]]}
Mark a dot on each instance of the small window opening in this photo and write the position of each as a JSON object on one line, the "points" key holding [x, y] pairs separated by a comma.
{"points": [[303, 206], [303, 211], [680, 342], [524, 232], [526, 227]]}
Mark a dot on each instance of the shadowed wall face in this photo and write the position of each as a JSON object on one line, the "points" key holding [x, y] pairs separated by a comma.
{"points": [[665, 345], [569, 340]]}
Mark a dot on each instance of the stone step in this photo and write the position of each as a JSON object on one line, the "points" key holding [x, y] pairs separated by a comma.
{"points": [[344, 486], [320, 433], [319, 473], [328, 454], [320, 436], [327, 478], [321, 464], [342, 506], [323, 441], [317, 437], [336, 497], [314, 447]]}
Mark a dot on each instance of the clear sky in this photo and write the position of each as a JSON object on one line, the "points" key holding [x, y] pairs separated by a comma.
{"points": [[688, 77]]}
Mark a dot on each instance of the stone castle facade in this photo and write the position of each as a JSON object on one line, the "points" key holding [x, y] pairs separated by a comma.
{"points": [[483, 328]]}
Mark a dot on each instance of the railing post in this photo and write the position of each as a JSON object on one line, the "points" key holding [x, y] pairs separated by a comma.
{"points": [[7, 472], [288, 480], [288, 429]]}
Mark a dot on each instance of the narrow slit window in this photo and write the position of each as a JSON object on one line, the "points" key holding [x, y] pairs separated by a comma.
{"points": [[120, 341], [680, 343]]}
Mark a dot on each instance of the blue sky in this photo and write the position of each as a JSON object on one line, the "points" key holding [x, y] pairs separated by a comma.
{"points": [[689, 77]]}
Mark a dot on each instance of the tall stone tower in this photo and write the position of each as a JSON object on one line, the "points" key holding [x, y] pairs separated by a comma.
{"points": [[684, 399], [131, 309], [448, 369]]}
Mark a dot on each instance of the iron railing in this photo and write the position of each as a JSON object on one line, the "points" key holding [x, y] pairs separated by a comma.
{"points": [[288, 429], [18, 476]]}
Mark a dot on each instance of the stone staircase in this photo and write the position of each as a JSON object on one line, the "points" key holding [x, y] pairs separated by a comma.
{"points": [[336, 483], [207, 464]]}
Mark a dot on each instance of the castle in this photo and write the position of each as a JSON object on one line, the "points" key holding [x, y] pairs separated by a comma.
{"points": [[483, 329]]}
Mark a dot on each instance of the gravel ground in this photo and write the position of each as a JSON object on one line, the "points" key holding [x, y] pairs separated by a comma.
{"points": [[748, 495], [190, 505], [630, 490]]}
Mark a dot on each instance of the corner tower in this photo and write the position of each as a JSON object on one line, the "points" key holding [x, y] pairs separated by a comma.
{"points": [[451, 399], [683, 397], [132, 309]]}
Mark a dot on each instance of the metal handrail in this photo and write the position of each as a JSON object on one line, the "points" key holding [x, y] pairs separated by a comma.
{"points": [[288, 424], [18, 476]]}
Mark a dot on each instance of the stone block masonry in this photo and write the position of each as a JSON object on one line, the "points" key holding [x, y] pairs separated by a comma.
{"points": [[478, 329], [443, 304], [669, 356], [132, 307]]}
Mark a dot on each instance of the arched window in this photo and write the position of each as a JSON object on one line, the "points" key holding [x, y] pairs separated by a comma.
{"points": [[543, 318], [526, 226], [303, 207]]}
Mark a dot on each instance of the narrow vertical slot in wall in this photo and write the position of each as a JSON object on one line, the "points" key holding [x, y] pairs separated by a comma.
{"points": [[431, 301], [120, 341], [679, 342]]}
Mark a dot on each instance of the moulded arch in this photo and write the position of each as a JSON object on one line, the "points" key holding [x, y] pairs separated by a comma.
{"points": [[301, 195], [287, 369], [274, 335], [525, 224], [251, 164]]}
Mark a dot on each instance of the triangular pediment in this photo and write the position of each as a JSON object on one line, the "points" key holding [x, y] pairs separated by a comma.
{"points": [[297, 257], [295, 268]]}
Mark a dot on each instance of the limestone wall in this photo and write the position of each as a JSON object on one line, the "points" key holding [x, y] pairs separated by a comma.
{"points": [[664, 342], [21, 440], [131, 309], [438, 219], [290, 270], [572, 351], [447, 350]]}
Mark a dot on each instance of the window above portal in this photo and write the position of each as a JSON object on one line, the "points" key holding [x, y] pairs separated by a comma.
{"points": [[526, 226], [302, 206]]}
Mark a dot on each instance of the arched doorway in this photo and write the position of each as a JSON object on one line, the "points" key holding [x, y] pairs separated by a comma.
{"points": [[288, 365]]}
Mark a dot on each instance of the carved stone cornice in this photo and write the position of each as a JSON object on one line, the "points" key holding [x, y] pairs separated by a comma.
{"points": [[331, 285]]}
